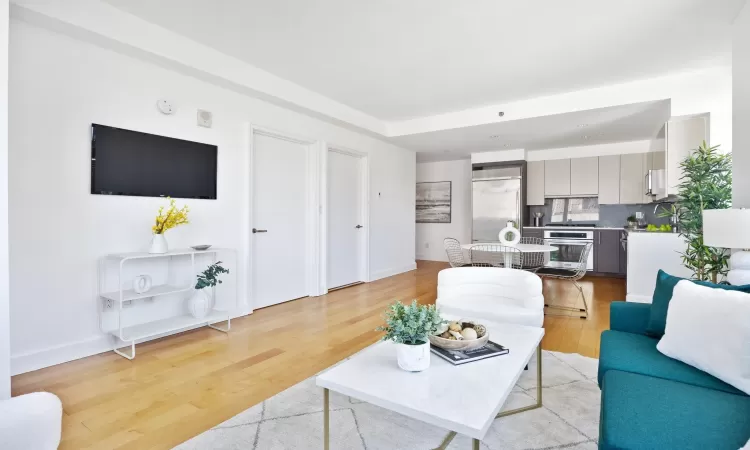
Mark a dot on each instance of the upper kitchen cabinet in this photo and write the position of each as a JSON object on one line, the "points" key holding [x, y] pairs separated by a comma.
{"points": [[683, 135], [535, 183], [557, 177], [609, 180], [632, 176], [584, 176]]}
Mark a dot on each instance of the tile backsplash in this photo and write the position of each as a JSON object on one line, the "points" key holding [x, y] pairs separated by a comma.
{"points": [[609, 215]]}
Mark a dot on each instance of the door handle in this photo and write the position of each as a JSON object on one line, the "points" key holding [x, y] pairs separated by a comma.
{"points": [[255, 230], [359, 226]]}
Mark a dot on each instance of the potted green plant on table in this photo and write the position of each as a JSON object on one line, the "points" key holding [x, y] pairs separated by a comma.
{"points": [[199, 303], [409, 327]]}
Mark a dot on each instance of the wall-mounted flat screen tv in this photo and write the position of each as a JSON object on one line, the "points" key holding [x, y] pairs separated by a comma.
{"points": [[125, 162]]}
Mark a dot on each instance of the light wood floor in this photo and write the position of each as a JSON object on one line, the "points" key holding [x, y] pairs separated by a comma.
{"points": [[180, 386]]}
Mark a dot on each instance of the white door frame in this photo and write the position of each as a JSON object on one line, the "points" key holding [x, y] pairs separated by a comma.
{"points": [[364, 204], [312, 210]]}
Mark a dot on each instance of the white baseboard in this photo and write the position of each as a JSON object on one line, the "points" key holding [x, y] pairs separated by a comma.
{"points": [[392, 271], [63, 353]]}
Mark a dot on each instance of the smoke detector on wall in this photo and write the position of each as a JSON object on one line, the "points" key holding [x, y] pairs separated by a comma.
{"points": [[165, 106]]}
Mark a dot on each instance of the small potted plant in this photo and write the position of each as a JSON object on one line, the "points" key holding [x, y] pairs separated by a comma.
{"points": [[166, 220], [200, 302], [409, 327], [632, 222]]}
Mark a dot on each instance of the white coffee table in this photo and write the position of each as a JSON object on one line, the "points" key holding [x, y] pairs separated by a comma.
{"points": [[463, 399]]}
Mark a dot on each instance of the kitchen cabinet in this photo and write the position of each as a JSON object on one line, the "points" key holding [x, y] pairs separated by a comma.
{"points": [[557, 177], [632, 175], [607, 251], [584, 176], [609, 180], [682, 135], [535, 183], [648, 164]]}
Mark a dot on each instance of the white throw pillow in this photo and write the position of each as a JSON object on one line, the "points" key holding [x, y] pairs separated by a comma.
{"points": [[709, 329]]}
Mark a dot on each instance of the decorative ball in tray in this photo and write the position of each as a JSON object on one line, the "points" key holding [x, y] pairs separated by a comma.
{"points": [[461, 335]]}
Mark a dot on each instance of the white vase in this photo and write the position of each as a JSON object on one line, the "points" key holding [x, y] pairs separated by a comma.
{"points": [[413, 358], [509, 229], [158, 244], [199, 304]]}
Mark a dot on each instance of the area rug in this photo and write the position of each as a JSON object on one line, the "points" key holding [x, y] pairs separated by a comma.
{"points": [[293, 419]]}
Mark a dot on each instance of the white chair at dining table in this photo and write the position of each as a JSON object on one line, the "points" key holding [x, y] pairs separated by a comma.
{"points": [[496, 255]]}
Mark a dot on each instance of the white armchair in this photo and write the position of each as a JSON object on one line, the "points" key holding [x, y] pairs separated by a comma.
{"points": [[31, 422], [494, 294]]}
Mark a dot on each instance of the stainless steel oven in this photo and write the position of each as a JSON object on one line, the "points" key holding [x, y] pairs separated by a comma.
{"points": [[570, 244]]}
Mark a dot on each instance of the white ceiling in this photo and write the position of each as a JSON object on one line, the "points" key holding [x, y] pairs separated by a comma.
{"points": [[396, 59], [638, 121]]}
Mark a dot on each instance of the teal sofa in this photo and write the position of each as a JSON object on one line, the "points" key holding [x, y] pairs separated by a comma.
{"points": [[651, 401]]}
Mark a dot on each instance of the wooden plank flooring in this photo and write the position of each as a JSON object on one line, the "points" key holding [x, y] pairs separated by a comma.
{"points": [[180, 386]]}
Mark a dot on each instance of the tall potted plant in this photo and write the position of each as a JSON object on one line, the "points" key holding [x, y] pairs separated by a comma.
{"points": [[706, 183], [409, 327]]}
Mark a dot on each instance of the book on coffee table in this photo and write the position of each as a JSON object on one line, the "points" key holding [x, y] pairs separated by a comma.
{"points": [[458, 357]]}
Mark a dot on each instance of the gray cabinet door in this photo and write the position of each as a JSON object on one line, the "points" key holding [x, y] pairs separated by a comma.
{"points": [[535, 183], [607, 251], [584, 176], [557, 177], [609, 180], [632, 175]]}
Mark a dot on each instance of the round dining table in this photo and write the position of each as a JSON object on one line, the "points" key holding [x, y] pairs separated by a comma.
{"points": [[523, 248]]}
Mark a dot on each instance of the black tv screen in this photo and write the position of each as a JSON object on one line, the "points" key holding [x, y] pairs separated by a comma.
{"points": [[125, 162]]}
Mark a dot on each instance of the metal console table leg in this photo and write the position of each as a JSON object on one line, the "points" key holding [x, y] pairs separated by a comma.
{"points": [[125, 355]]}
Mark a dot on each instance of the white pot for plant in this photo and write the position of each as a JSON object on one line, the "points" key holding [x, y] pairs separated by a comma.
{"points": [[413, 358], [199, 304], [158, 244]]}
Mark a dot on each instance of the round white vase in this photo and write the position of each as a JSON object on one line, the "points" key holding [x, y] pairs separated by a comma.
{"points": [[509, 229], [413, 358], [158, 244], [199, 304]]}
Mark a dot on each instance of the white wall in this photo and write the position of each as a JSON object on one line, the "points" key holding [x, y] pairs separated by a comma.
{"points": [[4, 292], [98, 21], [429, 239], [58, 231], [741, 107]]}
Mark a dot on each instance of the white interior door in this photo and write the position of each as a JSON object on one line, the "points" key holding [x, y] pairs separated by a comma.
{"points": [[345, 221], [279, 220]]}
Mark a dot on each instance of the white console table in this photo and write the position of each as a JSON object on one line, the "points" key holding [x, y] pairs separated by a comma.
{"points": [[178, 277]]}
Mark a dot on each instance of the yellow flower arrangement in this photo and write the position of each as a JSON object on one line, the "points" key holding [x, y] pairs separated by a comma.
{"points": [[171, 218]]}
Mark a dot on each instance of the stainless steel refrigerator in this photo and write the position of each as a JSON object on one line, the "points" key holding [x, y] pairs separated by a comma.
{"points": [[496, 199]]}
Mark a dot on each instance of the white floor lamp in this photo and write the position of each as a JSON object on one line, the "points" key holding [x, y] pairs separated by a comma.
{"points": [[730, 228]]}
